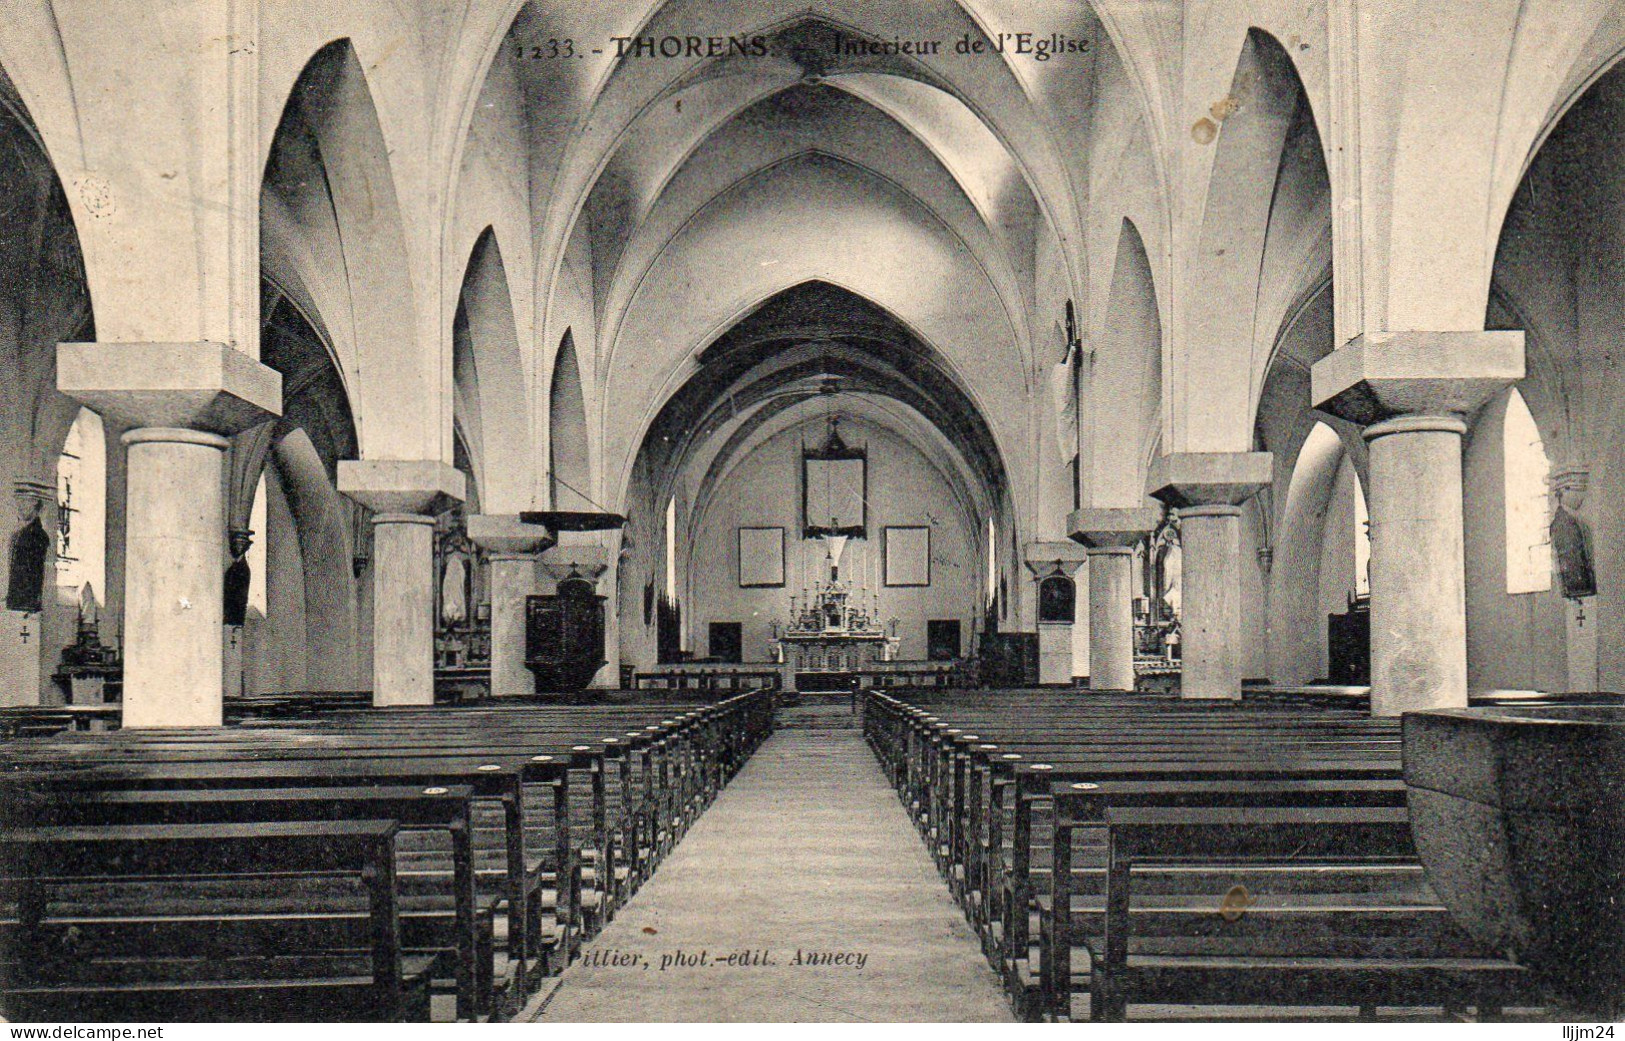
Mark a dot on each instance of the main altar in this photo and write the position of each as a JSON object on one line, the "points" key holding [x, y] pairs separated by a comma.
{"points": [[833, 633]]}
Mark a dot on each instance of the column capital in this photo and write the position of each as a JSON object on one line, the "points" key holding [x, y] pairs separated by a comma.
{"points": [[1043, 558], [589, 562], [1384, 374], [195, 386], [1112, 527], [507, 534], [422, 486], [1186, 479]]}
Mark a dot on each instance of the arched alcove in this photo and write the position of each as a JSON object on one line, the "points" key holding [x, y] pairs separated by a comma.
{"points": [[303, 631], [1321, 544]]}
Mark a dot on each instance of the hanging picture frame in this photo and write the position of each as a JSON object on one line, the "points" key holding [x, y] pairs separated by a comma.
{"points": [[908, 555], [761, 558]]}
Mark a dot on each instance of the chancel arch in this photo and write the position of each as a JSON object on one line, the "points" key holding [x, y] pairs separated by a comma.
{"points": [[815, 373]]}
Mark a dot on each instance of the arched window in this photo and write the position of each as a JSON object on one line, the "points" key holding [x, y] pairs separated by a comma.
{"points": [[1362, 541], [1527, 471], [257, 555], [81, 495], [992, 562], [671, 547]]}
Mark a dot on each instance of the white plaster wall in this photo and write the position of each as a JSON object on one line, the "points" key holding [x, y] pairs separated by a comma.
{"points": [[1513, 641], [764, 490]]}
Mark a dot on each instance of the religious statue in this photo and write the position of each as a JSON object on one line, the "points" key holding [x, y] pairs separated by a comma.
{"points": [[30, 545], [1571, 541], [90, 614], [454, 589], [238, 577]]}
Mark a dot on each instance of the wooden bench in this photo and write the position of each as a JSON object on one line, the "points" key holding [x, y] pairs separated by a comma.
{"points": [[625, 782], [432, 917], [1378, 954], [988, 780], [219, 974], [503, 871]]}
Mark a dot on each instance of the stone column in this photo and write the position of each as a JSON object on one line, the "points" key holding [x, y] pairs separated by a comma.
{"points": [[1412, 392], [1208, 489], [405, 496], [1043, 559], [511, 547], [1110, 535], [181, 401]]}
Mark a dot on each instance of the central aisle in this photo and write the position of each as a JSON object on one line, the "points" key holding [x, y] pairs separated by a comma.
{"points": [[807, 850]]}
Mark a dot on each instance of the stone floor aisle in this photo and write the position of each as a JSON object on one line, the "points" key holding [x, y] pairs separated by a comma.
{"points": [[809, 851]]}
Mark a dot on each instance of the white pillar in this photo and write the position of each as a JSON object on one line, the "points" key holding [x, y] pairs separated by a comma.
{"points": [[1111, 618], [405, 495], [511, 547], [403, 609], [181, 399], [1418, 591], [1208, 489], [174, 578], [1210, 615], [1411, 391], [513, 578], [1111, 535]]}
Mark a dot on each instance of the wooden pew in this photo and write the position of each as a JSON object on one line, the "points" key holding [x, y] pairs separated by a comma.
{"points": [[209, 979], [684, 758], [980, 772], [510, 877], [1319, 956], [665, 766], [445, 921]]}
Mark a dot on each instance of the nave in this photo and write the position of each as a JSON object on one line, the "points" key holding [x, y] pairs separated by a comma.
{"points": [[1113, 857], [445, 432], [807, 851]]}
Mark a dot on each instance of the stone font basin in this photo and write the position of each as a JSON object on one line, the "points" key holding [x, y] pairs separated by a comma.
{"points": [[1519, 817]]}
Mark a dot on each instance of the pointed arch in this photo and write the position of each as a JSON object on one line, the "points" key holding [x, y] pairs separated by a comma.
{"points": [[1211, 384], [1317, 555], [342, 189], [1127, 371], [569, 456], [488, 378]]}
